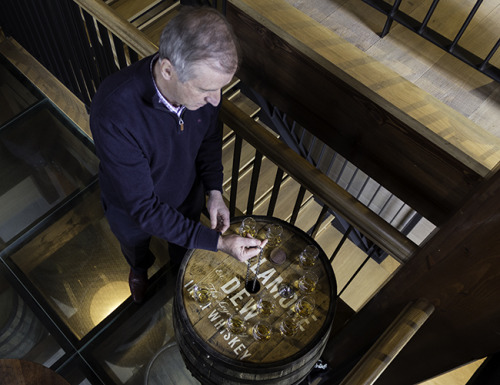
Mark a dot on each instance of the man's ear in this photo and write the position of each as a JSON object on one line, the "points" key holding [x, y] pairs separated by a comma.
{"points": [[166, 69]]}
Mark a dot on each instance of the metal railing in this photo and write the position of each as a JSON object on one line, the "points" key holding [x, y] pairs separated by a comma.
{"points": [[351, 178], [310, 179], [451, 46]]}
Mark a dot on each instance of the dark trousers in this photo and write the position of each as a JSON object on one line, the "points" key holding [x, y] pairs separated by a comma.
{"points": [[134, 242]]}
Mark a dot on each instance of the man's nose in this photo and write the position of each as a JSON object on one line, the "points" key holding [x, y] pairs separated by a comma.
{"points": [[213, 98]]}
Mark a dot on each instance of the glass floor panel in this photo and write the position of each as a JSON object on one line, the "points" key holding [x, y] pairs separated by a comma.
{"points": [[22, 333], [77, 266], [64, 296], [42, 163], [125, 353]]}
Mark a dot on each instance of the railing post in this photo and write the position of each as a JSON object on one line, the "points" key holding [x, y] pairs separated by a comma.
{"points": [[390, 18]]}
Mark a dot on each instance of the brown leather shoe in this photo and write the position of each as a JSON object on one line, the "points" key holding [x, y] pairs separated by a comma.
{"points": [[138, 286]]}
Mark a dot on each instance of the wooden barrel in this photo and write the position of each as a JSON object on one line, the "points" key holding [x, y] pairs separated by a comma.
{"points": [[21, 372], [20, 329], [216, 356]]}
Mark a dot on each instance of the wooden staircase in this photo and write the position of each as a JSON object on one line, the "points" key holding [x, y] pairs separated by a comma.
{"points": [[149, 16], [245, 172]]}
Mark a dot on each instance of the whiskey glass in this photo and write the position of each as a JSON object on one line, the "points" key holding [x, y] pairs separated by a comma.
{"points": [[266, 306], [248, 227], [307, 283], [304, 307], [308, 256], [202, 293], [236, 324], [273, 235], [262, 331], [289, 326]]}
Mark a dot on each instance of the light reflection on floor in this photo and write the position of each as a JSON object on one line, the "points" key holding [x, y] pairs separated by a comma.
{"points": [[107, 299]]}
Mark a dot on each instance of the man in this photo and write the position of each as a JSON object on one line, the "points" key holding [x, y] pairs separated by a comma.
{"points": [[155, 130]]}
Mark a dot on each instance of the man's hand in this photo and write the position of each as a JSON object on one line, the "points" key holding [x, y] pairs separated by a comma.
{"points": [[218, 211], [240, 248]]}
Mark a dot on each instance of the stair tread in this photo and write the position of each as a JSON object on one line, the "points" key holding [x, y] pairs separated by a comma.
{"points": [[266, 181], [285, 202], [309, 214], [131, 9], [247, 155], [153, 28], [244, 103], [368, 281]]}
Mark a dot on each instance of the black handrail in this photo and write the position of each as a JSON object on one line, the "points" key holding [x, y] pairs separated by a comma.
{"points": [[393, 13]]}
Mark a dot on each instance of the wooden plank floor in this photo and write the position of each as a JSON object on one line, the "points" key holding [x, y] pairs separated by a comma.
{"points": [[466, 90]]}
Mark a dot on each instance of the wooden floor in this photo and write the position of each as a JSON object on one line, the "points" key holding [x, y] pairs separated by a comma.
{"points": [[466, 90], [448, 79]]}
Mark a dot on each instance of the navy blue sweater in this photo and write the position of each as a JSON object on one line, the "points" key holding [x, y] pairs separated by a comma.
{"points": [[147, 164]]}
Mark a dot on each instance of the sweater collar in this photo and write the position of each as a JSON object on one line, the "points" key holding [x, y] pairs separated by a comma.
{"points": [[158, 98]]}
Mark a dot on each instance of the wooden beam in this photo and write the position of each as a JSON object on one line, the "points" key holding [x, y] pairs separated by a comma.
{"points": [[47, 83], [388, 346]]}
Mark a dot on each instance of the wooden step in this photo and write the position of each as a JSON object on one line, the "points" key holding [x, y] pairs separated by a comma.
{"points": [[155, 24], [132, 9], [244, 103], [247, 156], [369, 280], [156, 13], [233, 93], [264, 186], [286, 199], [309, 214]]}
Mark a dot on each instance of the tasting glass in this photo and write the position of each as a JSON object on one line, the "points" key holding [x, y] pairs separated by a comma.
{"points": [[273, 235], [262, 331], [308, 256], [286, 290], [304, 307], [202, 293], [266, 306], [307, 283], [236, 324], [289, 326], [248, 227]]}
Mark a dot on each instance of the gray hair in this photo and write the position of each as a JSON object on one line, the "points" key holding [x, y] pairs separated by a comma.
{"points": [[199, 34]]}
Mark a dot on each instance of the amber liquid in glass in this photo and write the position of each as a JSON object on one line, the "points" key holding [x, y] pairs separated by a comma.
{"points": [[247, 230], [307, 285], [236, 325], [261, 332], [304, 308], [307, 261], [265, 307], [288, 327], [202, 294]]}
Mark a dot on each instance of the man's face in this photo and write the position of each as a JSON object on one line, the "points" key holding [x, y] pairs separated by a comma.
{"points": [[205, 87]]}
